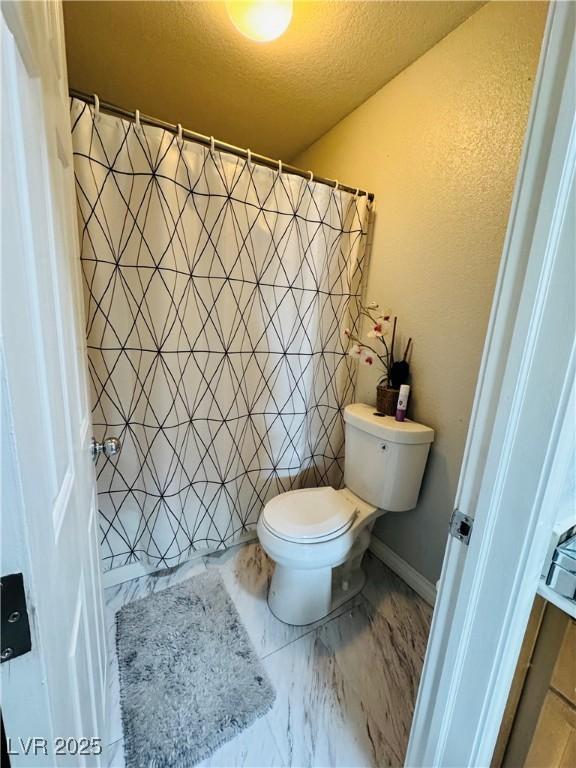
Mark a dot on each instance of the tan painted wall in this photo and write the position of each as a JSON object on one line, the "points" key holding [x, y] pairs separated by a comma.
{"points": [[439, 146]]}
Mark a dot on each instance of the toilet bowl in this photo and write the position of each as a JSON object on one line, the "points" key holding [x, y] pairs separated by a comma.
{"points": [[317, 537], [307, 554]]}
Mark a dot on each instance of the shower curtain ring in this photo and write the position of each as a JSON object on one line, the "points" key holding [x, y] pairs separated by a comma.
{"points": [[336, 185], [357, 193], [212, 144], [179, 133], [311, 176], [137, 120], [96, 107], [249, 156], [280, 167]]}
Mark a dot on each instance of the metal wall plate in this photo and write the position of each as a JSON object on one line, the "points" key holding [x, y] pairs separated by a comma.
{"points": [[461, 526], [14, 624]]}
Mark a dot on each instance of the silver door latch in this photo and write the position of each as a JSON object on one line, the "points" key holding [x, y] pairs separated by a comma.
{"points": [[110, 446]]}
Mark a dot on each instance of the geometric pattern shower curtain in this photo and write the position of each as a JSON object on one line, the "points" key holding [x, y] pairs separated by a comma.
{"points": [[215, 293]]}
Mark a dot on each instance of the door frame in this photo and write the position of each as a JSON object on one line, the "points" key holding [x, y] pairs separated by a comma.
{"points": [[520, 434]]}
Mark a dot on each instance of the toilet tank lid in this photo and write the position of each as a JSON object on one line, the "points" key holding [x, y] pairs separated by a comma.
{"points": [[366, 418]]}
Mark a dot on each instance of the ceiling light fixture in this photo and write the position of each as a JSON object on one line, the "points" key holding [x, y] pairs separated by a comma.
{"points": [[260, 20]]}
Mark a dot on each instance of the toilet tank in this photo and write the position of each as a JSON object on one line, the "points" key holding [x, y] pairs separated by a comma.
{"points": [[384, 458]]}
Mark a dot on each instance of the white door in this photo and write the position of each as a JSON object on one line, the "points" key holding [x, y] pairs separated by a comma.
{"points": [[520, 433], [49, 514]]}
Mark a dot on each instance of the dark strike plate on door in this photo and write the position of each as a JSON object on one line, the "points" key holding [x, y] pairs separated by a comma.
{"points": [[14, 624]]}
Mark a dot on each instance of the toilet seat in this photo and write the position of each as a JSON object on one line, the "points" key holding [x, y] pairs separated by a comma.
{"points": [[310, 515]]}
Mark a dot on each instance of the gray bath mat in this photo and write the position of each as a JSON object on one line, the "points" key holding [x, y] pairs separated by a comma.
{"points": [[190, 679]]}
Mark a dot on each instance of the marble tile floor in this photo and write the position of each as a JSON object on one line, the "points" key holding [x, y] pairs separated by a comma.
{"points": [[345, 686]]}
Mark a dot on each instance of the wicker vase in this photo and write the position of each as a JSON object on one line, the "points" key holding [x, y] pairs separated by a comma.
{"points": [[386, 400]]}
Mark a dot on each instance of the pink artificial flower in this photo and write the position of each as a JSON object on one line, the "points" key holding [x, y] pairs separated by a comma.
{"points": [[355, 350], [367, 359], [378, 330], [347, 332]]}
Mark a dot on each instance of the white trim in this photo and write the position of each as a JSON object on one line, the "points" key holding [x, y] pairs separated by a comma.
{"points": [[404, 570], [522, 398], [124, 573], [566, 605]]}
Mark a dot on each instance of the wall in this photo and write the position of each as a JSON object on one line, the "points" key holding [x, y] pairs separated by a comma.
{"points": [[439, 146]]}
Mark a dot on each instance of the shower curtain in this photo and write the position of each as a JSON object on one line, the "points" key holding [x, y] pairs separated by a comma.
{"points": [[215, 295]]}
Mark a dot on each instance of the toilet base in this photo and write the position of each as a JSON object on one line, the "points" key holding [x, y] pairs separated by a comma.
{"points": [[300, 596], [313, 593], [346, 585]]}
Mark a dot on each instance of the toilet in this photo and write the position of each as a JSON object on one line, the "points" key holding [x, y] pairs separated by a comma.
{"points": [[317, 537]]}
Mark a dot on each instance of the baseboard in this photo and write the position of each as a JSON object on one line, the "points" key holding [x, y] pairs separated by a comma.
{"points": [[401, 568], [134, 570], [126, 573], [404, 570]]}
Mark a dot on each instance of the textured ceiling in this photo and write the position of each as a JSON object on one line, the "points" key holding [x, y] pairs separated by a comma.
{"points": [[185, 62]]}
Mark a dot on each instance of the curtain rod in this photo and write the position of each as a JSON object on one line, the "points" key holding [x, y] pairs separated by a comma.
{"points": [[208, 141]]}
